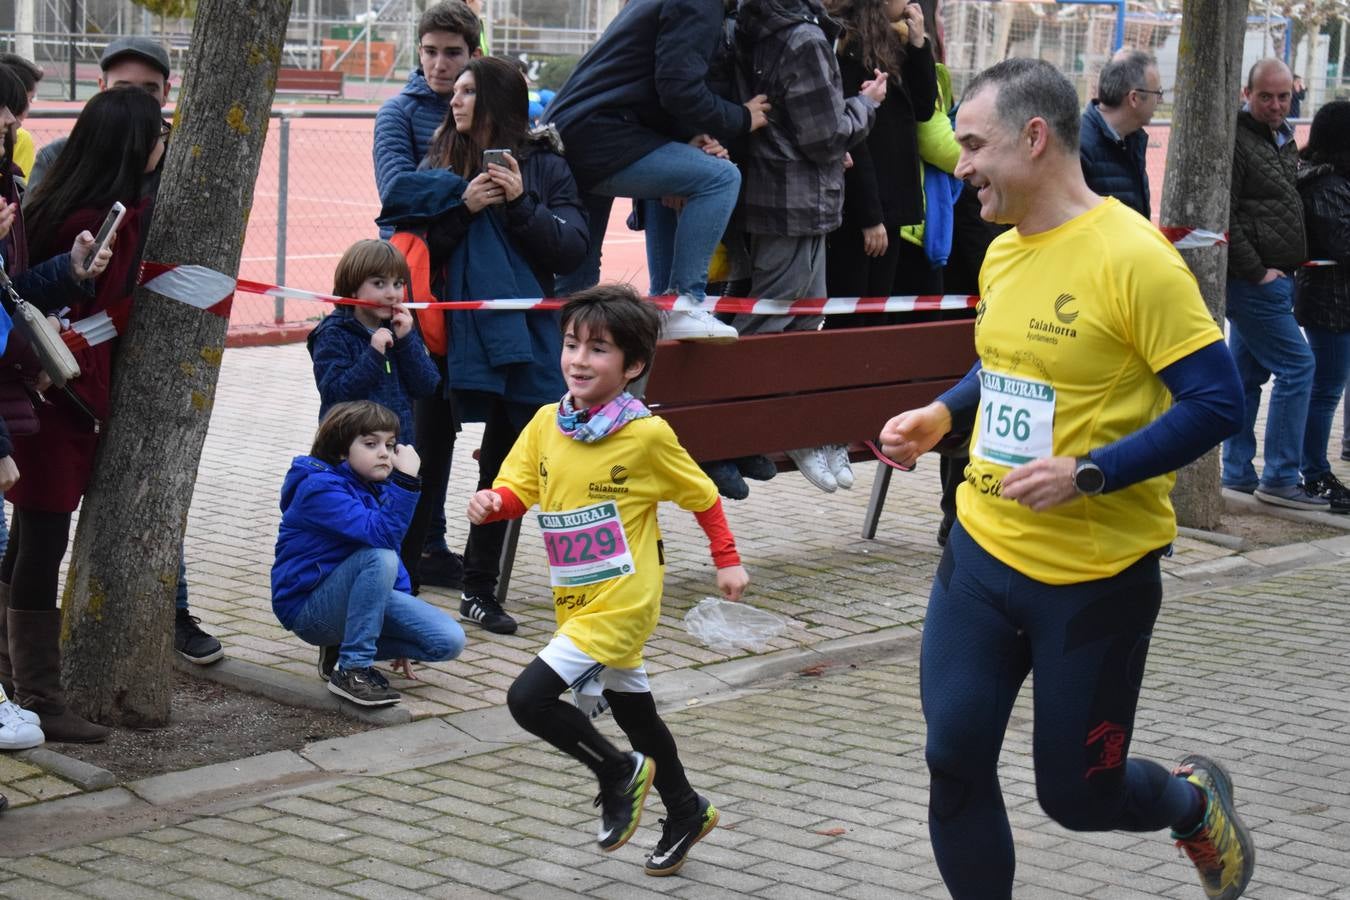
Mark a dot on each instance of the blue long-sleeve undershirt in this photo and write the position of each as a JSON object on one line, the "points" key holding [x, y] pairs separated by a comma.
{"points": [[1206, 408]]}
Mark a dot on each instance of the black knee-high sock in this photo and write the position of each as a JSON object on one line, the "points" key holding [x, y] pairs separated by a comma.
{"points": [[636, 714], [535, 705]]}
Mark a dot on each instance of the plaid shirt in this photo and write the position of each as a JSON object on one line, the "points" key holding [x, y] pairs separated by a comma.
{"points": [[793, 169]]}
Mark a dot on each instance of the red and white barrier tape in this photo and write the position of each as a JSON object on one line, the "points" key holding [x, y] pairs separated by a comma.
{"points": [[213, 291]]}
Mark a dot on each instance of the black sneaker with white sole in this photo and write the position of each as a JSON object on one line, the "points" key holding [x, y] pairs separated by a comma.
{"points": [[678, 836], [364, 687], [484, 610], [621, 802], [193, 644], [328, 657]]}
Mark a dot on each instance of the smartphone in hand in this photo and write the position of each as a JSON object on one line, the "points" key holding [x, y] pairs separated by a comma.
{"points": [[496, 158], [106, 231]]}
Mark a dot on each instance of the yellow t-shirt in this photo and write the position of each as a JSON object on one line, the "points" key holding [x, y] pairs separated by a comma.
{"points": [[1072, 325], [597, 509], [25, 152]]}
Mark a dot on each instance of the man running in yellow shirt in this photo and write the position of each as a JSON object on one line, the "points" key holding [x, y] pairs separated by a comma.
{"points": [[1100, 373]]}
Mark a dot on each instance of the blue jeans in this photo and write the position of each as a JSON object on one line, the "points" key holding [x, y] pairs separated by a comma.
{"points": [[711, 186], [357, 608], [1331, 350], [1265, 339]]}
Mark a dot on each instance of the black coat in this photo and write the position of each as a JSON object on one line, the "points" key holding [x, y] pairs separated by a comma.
{"points": [[886, 181], [1322, 293], [644, 84]]}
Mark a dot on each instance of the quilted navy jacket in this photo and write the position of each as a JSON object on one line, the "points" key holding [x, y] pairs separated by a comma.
{"points": [[403, 130], [1114, 167], [346, 368]]}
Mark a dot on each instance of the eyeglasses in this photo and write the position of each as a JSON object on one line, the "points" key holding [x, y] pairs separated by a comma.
{"points": [[1159, 94]]}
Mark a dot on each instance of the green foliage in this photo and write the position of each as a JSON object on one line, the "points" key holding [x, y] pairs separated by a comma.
{"points": [[555, 71]]}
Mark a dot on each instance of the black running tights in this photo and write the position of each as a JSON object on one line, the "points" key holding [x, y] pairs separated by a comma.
{"points": [[535, 702]]}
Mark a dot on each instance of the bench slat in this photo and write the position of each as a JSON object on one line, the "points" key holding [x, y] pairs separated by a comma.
{"points": [[777, 364], [728, 429]]}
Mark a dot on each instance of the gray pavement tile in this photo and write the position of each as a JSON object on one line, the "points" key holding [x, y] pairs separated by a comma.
{"points": [[374, 889], [392, 873]]}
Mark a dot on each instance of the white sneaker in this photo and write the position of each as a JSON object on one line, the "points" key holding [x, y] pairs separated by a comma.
{"points": [[811, 462], [836, 455], [15, 732], [26, 715], [696, 325]]}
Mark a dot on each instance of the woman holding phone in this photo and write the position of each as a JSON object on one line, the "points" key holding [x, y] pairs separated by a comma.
{"points": [[501, 224], [116, 143]]}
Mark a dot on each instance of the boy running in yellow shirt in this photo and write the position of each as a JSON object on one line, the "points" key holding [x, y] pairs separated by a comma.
{"points": [[598, 463]]}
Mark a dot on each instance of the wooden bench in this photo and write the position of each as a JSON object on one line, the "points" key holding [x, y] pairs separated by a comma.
{"points": [[767, 393], [314, 82]]}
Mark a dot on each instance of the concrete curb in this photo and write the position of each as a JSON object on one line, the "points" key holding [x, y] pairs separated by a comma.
{"points": [[292, 690], [1238, 502], [85, 776], [242, 774]]}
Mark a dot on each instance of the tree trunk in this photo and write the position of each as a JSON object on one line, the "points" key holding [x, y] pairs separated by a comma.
{"points": [[1196, 193], [119, 596]]}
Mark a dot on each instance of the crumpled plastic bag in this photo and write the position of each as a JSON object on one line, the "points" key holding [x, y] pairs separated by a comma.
{"points": [[725, 626]]}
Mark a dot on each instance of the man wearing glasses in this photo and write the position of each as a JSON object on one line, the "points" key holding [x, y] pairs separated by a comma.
{"points": [[1112, 140]]}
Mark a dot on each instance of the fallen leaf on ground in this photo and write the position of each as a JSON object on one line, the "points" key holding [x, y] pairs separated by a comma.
{"points": [[815, 671], [832, 832]]}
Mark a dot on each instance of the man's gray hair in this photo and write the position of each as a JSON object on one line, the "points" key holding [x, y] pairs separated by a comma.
{"points": [[1031, 88], [1122, 75]]}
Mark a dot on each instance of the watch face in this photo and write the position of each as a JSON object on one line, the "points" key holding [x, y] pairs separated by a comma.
{"points": [[1089, 479]]}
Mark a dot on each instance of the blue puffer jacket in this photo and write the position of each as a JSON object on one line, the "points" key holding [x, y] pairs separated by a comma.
{"points": [[346, 368], [505, 252], [403, 130], [327, 514], [1111, 166]]}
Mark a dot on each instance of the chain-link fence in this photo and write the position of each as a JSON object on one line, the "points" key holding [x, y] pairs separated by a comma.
{"points": [[1080, 36], [315, 196]]}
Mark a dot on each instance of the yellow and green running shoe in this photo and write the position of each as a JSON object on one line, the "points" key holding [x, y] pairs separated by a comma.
{"points": [[1220, 846]]}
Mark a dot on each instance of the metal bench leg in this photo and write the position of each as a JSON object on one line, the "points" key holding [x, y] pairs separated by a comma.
{"points": [[879, 486], [508, 559]]}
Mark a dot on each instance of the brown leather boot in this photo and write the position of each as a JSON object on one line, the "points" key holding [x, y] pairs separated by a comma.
{"points": [[6, 670], [36, 656]]}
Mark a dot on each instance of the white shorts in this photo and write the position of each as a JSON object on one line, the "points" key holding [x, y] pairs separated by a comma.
{"points": [[589, 679]]}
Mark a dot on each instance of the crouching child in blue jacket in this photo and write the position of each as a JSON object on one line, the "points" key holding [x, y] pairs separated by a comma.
{"points": [[337, 581]]}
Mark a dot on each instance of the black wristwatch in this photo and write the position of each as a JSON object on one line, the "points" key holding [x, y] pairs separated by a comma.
{"points": [[1088, 477]]}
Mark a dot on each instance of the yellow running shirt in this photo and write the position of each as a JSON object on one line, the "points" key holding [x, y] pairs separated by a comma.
{"points": [[1071, 326], [597, 512]]}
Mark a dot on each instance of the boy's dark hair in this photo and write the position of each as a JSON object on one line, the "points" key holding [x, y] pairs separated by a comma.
{"points": [[29, 72], [453, 16], [633, 324], [366, 259], [345, 423]]}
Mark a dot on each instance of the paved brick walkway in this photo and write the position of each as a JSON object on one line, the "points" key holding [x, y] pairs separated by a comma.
{"points": [[801, 546], [820, 780], [1249, 664]]}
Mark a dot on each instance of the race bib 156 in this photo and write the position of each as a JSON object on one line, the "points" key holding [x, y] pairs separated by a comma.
{"points": [[1017, 419]]}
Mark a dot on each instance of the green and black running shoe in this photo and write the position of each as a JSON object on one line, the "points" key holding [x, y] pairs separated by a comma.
{"points": [[621, 804], [678, 836]]}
